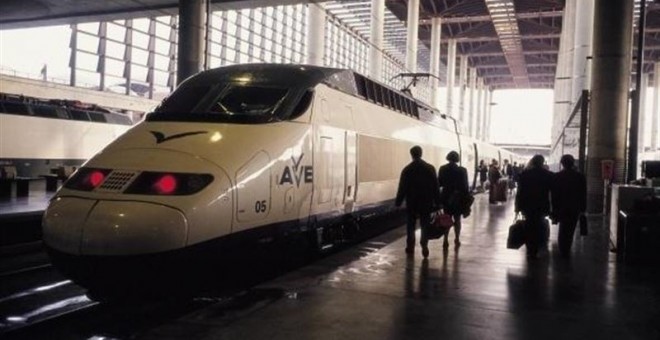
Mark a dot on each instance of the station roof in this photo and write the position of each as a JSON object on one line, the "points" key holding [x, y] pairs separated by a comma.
{"points": [[512, 43]]}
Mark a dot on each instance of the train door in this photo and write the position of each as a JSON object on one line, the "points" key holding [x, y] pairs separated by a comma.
{"points": [[325, 170], [350, 173], [329, 161]]}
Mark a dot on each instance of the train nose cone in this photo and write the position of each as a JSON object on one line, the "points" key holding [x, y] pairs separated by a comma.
{"points": [[113, 227], [132, 228]]}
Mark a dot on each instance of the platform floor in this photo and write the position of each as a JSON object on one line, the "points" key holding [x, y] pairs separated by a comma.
{"points": [[35, 203], [480, 291]]}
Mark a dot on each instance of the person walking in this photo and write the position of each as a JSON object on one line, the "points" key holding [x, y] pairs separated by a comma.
{"points": [[453, 182], [483, 174], [569, 200], [533, 201], [507, 172], [494, 176], [418, 186]]}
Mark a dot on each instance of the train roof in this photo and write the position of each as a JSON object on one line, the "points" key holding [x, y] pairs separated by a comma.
{"points": [[286, 75], [308, 76]]}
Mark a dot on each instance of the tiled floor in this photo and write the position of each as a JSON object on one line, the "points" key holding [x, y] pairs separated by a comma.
{"points": [[480, 291]]}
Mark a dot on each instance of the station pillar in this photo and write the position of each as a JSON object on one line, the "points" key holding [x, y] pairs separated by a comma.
{"points": [[316, 34], [451, 75], [377, 32], [656, 107], [472, 99], [411, 41], [192, 35], [642, 114], [436, 33], [609, 95], [485, 130], [479, 105], [462, 86]]}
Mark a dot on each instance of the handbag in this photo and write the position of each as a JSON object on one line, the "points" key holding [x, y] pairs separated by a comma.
{"points": [[439, 226], [516, 236], [584, 230]]}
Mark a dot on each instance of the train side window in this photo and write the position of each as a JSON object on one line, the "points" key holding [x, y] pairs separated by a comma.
{"points": [[44, 111], [79, 115], [123, 119], [386, 97], [16, 108], [378, 91], [415, 109], [62, 113], [97, 117], [303, 104], [397, 102], [361, 86], [370, 90]]}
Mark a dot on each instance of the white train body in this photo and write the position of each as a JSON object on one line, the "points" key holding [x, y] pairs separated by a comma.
{"points": [[340, 155], [36, 135]]}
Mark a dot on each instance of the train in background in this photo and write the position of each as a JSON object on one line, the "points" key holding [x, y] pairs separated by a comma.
{"points": [[243, 156], [37, 135]]}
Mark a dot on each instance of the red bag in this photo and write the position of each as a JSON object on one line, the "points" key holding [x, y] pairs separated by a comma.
{"points": [[440, 225]]}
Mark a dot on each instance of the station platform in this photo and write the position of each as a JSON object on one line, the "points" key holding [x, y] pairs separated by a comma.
{"points": [[20, 218], [481, 290]]}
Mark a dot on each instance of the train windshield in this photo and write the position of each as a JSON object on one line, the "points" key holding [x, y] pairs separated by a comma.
{"points": [[223, 103]]}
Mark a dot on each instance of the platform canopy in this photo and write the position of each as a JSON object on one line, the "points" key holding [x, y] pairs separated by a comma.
{"points": [[512, 43]]}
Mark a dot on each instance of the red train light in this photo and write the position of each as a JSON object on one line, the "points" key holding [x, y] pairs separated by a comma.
{"points": [[96, 178], [166, 184]]}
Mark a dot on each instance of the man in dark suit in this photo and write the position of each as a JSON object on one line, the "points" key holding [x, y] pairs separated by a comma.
{"points": [[452, 179], [418, 186], [569, 200], [533, 200]]}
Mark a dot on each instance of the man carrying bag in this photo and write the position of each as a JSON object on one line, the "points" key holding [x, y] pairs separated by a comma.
{"points": [[418, 186]]}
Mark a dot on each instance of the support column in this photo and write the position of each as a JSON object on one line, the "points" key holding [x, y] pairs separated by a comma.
{"points": [[472, 104], [479, 107], [582, 44], [436, 33], [609, 95], [377, 32], [316, 34], [656, 107], [73, 60], [642, 114], [462, 86], [411, 41], [485, 130], [192, 32], [451, 75]]}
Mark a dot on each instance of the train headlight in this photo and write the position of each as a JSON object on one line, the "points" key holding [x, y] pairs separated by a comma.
{"points": [[87, 179], [159, 183]]}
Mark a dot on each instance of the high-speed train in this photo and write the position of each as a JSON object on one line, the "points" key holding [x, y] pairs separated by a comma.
{"points": [[39, 134], [243, 155]]}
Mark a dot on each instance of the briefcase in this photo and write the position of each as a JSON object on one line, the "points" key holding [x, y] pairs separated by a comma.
{"points": [[516, 236]]}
